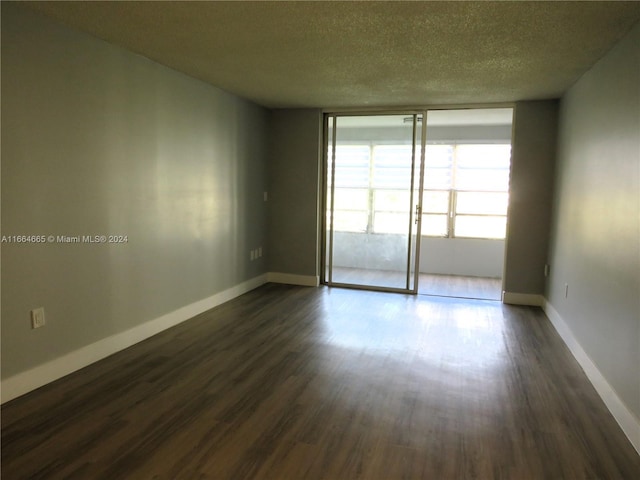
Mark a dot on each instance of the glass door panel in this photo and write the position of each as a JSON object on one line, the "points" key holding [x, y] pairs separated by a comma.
{"points": [[372, 178]]}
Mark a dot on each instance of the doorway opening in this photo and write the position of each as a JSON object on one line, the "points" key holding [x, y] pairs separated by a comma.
{"points": [[415, 206]]}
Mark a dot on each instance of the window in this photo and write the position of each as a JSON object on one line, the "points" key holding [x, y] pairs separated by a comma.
{"points": [[351, 196], [391, 175], [370, 195], [438, 182], [465, 189]]}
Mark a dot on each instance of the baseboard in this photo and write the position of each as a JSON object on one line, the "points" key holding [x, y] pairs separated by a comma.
{"points": [[292, 279], [27, 381], [529, 299], [629, 423]]}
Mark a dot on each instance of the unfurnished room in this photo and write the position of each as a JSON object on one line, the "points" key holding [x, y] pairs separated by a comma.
{"points": [[320, 240]]}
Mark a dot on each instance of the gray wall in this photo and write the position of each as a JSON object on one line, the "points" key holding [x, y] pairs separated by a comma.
{"points": [[294, 163], [97, 140], [462, 133], [595, 246], [530, 198]]}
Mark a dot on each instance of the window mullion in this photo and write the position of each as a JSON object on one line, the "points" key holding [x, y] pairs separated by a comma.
{"points": [[453, 200], [453, 197], [370, 216]]}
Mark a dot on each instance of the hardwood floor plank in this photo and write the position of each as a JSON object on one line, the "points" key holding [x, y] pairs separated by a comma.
{"points": [[458, 286], [317, 383]]}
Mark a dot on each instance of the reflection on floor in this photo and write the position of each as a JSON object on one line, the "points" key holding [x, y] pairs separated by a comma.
{"points": [[441, 285], [459, 286]]}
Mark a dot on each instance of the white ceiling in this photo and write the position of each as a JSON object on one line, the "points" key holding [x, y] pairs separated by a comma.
{"points": [[364, 54]]}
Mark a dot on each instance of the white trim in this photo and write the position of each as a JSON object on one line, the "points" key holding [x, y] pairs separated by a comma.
{"points": [[292, 279], [629, 423], [25, 382], [529, 299]]}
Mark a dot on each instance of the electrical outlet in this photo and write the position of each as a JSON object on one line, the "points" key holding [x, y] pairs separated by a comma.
{"points": [[37, 318]]}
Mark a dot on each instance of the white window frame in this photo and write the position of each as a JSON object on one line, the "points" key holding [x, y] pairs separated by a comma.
{"points": [[453, 192]]}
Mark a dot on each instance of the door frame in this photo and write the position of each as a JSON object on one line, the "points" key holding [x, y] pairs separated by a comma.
{"points": [[415, 215], [408, 110]]}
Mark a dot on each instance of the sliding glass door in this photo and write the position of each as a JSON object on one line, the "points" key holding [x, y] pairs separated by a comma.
{"points": [[465, 203], [373, 201]]}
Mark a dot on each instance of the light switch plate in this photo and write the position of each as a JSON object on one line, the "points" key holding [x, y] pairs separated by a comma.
{"points": [[37, 317]]}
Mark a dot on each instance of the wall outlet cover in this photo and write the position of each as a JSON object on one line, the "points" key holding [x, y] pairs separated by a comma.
{"points": [[37, 317]]}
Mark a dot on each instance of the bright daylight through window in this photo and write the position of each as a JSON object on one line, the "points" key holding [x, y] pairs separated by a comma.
{"points": [[466, 189]]}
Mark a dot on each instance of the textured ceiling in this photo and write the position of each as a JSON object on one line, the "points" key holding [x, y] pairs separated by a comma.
{"points": [[362, 54]]}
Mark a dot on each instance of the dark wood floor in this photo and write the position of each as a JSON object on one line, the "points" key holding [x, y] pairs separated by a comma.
{"points": [[460, 286], [318, 383]]}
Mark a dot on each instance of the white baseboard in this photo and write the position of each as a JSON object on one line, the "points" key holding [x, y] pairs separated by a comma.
{"points": [[291, 279], [27, 381], [529, 299], [629, 423]]}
